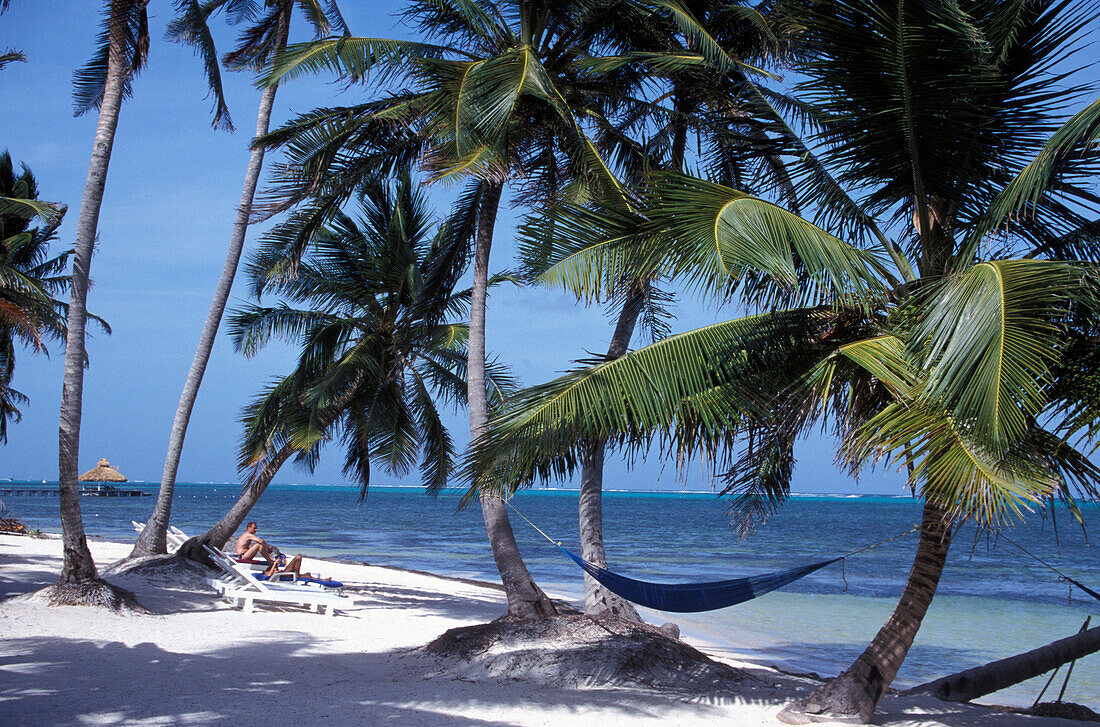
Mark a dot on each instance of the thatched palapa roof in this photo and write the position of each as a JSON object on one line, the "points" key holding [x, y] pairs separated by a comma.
{"points": [[102, 472]]}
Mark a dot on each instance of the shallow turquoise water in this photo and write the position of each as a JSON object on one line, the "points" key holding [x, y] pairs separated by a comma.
{"points": [[993, 601]]}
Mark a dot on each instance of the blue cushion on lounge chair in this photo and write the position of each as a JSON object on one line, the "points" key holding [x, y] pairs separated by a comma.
{"points": [[326, 584]]}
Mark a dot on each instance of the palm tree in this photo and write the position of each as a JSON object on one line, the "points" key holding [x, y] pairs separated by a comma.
{"points": [[665, 40], [30, 279], [103, 84], [963, 371], [260, 46], [503, 99], [378, 348]]}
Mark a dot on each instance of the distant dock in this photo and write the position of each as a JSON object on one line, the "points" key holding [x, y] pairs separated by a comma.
{"points": [[88, 490]]}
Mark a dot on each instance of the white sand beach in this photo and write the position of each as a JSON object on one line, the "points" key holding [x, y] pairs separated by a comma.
{"points": [[196, 660]]}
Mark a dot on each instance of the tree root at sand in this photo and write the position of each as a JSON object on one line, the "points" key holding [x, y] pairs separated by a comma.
{"points": [[96, 592], [583, 651]]}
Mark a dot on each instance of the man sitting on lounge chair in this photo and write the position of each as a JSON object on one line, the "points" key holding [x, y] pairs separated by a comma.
{"points": [[249, 545]]}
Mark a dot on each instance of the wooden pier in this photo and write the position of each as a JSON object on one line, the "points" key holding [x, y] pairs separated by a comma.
{"points": [[91, 490]]}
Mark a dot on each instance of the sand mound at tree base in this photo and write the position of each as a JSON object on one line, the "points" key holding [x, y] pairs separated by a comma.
{"points": [[166, 571], [96, 593], [576, 650]]}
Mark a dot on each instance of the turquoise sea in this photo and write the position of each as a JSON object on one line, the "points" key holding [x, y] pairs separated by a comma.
{"points": [[993, 601]]}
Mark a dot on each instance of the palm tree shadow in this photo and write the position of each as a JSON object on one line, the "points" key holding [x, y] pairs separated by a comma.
{"points": [[49, 681]]}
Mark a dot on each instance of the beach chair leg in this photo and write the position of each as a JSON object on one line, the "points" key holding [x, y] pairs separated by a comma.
{"points": [[316, 608], [248, 605]]}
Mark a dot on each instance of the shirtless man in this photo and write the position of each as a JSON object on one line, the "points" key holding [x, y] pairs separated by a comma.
{"points": [[249, 545]]}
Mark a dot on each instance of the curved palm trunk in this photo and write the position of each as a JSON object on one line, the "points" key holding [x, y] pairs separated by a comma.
{"points": [[996, 675], [525, 599], [153, 538], [217, 536], [78, 573], [598, 600], [853, 696]]}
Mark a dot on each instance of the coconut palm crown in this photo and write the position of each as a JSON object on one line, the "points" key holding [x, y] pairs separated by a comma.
{"points": [[377, 355]]}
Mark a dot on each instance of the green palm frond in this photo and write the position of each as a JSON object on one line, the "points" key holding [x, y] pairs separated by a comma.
{"points": [[669, 63], [989, 339], [585, 250], [717, 235], [487, 92], [437, 449], [699, 36], [191, 27], [479, 23], [349, 56], [50, 212], [11, 56], [952, 469], [633, 397], [251, 326], [1040, 177], [883, 357]]}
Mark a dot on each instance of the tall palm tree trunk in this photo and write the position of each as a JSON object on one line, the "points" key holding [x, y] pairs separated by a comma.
{"points": [[525, 599], [855, 693], [79, 580], [217, 536], [153, 538], [597, 599]]}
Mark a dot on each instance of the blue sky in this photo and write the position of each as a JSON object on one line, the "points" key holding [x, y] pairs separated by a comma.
{"points": [[171, 192]]}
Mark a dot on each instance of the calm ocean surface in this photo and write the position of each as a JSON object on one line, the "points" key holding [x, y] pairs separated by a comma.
{"points": [[993, 601]]}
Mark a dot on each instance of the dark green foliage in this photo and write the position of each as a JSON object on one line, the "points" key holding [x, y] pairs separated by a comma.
{"points": [[378, 348], [30, 280]]}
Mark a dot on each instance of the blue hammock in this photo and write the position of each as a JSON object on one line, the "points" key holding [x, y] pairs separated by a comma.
{"points": [[693, 597]]}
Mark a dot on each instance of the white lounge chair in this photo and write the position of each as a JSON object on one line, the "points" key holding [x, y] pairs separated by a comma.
{"points": [[239, 585]]}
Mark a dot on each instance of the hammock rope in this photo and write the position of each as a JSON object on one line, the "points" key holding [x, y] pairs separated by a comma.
{"points": [[1061, 576], [695, 597]]}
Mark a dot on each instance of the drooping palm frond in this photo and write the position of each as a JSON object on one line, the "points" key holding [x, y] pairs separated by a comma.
{"points": [[632, 398], [990, 340], [586, 250], [716, 235], [1042, 175], [50, 212], [953, 469], [190, 27]]}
